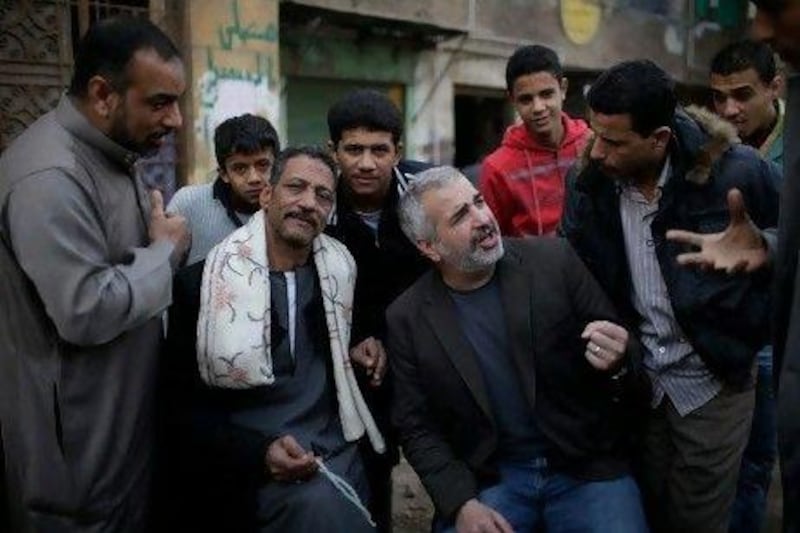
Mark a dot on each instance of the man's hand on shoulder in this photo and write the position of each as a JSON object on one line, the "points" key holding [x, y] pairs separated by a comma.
{"points": [[168, 226], [606, 344], [371, 355], [740, 248], [287, 461], [475, 517]]}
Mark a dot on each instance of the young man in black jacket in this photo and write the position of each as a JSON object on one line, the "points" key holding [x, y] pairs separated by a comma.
{"points": [[365, 138]]}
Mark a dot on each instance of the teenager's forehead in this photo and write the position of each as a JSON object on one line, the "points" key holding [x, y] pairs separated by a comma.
{"points": [[365, 135]]}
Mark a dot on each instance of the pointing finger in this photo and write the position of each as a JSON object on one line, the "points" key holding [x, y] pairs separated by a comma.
{"points": [[156, 202]]}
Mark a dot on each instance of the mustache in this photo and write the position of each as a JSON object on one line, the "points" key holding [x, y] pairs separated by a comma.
{"points": [[487, 230], [306, 216]]}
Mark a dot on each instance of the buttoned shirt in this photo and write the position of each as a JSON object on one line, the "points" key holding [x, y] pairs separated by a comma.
{"points": [[675, 369]]}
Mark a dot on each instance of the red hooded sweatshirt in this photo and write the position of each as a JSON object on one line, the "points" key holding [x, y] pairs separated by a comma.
{"points": [[523, 181]]}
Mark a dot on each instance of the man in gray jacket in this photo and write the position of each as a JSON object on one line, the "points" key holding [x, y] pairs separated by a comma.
{"points": [[86, 263]]}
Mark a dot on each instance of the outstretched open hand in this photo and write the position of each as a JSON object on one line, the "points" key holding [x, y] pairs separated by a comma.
{"points": [[739, 248]]}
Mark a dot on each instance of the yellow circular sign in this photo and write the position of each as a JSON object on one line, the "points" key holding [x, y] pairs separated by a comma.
{"points": [[581, 19]]}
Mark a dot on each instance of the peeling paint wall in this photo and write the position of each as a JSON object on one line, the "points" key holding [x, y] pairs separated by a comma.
{"points": [[234, 60], [430, 130], [236, 65]]}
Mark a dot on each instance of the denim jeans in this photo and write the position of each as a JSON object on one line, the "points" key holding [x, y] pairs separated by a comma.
{"points": [[758, 461], [531, 497]]}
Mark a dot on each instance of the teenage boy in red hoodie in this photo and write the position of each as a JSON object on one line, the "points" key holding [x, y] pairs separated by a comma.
{"points": [[523, 180]]}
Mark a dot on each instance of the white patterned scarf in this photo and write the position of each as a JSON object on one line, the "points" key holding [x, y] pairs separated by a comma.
{"points": [[233, 328]]}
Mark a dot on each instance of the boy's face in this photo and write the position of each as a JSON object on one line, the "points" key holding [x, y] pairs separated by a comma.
{"points": [[538, 99], [247, 174], [366, 159]]}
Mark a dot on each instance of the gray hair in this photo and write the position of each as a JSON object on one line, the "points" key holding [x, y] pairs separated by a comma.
{"points": [[413, 220]]}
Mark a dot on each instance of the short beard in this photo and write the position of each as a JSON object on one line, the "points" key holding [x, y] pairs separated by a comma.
{"points": [[119, 134], [475, 259], [296, 242]]}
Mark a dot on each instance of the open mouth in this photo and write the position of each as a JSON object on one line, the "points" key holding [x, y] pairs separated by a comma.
{"points": [[157, 139], [487, 239]]}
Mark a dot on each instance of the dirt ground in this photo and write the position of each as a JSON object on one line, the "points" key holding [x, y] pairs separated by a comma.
{"points": [[412, 509]]}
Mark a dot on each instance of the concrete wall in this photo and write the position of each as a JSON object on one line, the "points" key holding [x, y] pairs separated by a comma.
{"points": [[237, 62], [591, 35], [443, 13], [588, 34]]}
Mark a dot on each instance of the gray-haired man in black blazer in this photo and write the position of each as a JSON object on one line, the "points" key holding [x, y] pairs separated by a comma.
{"points": [[515, 390]]}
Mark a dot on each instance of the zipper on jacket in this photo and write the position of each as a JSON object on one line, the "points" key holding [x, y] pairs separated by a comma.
{"points": [[57, 416]]}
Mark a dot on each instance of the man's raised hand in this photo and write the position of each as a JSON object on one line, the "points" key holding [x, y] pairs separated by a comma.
{"points": [[739, 248]]}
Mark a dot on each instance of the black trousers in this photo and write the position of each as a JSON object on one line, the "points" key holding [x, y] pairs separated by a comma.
{"points": [[5, 522], [379, 478]]}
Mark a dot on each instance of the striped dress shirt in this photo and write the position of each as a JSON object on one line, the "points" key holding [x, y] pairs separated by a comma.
{"points": [[675, 369]]}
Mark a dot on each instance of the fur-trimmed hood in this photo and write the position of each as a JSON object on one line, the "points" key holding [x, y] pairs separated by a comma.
{"points": [[699, 138]]}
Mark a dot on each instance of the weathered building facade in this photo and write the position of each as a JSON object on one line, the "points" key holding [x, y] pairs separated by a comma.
{"points": [[442, 62]]}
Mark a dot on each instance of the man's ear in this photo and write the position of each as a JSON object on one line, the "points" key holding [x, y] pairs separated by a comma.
{"points": [[564, 86], [332, 149], [265, 196], [428, 250], [102, 97], [776, 86], [661, 137], [398, 153]]}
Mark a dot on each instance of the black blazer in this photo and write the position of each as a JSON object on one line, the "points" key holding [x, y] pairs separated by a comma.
{"points": [[441, 408], [725, 318]]}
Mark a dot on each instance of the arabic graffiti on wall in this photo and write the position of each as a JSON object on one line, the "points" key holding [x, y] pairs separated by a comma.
{"points": [[227, 91], [237, 70], [238, 33]]}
